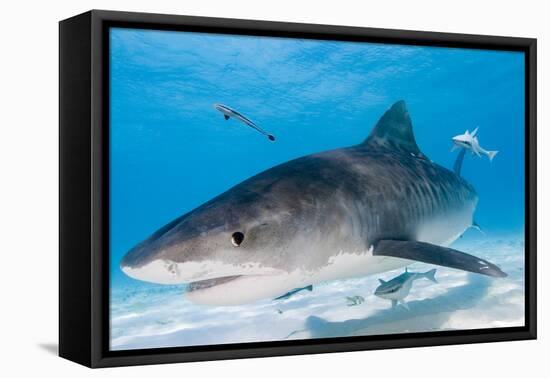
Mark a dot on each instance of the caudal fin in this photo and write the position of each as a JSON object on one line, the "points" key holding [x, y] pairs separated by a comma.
{"points": [[430, 275], [491, 154]]}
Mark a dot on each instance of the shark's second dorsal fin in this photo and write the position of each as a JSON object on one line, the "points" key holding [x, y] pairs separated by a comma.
{"points": [[394, 132]]}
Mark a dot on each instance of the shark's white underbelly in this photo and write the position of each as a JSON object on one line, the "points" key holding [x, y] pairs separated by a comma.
{"points": [[251, 288], [446, 227], [341, 264], [442, 229]]}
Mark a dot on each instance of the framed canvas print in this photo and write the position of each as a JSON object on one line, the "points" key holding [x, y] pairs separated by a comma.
{"points": [[234, 188]]}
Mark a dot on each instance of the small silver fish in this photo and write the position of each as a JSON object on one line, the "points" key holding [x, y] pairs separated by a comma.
{"points": [[294, 291], [399, 287], [232, 113], [355, 300]]}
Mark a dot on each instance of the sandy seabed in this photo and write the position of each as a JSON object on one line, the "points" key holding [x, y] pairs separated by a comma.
{"points": [[154, 316]]}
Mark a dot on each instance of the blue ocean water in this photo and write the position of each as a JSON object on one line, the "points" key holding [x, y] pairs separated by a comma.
{"points": [[171, 151]]}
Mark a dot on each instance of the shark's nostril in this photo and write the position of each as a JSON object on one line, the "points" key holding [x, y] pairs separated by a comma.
{"points": [[237, 238]]}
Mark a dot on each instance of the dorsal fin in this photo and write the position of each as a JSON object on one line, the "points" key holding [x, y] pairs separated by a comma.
{"points": [[394, 132]]}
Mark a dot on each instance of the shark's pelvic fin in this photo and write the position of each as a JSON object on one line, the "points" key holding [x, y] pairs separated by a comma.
{"points": [[226, 117], [393, 303], [394, 132], [437, 255]]}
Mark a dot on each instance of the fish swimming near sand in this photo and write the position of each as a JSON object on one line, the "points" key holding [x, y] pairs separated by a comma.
{"points": [[350, 212], [355, 300], [232, 113], [399, 287], [292, 292]]}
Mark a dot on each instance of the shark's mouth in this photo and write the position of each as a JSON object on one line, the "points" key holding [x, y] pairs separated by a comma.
{"points": [[207, 284], [239, 289], [387, 291]]}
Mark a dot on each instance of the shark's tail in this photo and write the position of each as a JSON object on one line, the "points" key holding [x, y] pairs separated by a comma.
{"points": [[430, 275], [309, 288], [491, 154]]}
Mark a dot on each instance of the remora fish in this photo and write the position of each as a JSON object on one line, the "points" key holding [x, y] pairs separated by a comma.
{"points": [[356, 211], [470, 142], [232, 113], [399, 287], [292, 292]]}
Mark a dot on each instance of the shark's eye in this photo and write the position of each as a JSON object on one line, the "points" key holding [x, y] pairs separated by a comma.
{"points": [[237, 238]]}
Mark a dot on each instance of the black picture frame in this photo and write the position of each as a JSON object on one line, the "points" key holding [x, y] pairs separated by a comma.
{"points": [[84, 188]]}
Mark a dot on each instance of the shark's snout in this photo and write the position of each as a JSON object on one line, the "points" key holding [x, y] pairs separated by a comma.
{"points": [[169, 256], [173, 264], [203, 248], [212, 263], [138, 256], [149, 262]]}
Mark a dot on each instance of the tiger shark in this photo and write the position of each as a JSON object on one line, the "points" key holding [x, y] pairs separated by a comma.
{"points": [[349, 212]]}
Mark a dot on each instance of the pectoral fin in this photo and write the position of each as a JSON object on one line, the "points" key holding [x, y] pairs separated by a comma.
{"points": [[226, 117], [437, 255]]}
